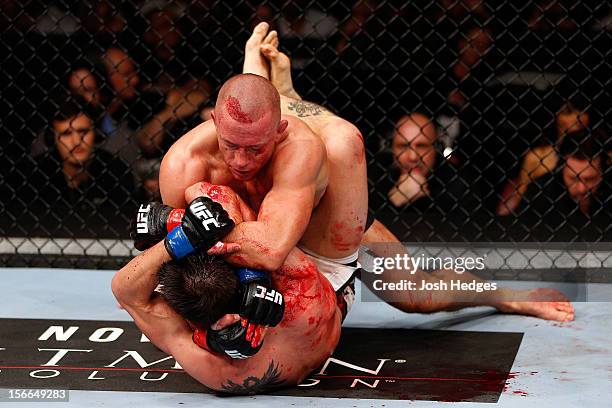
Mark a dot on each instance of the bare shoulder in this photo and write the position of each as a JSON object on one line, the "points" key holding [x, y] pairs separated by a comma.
{"points": [[301, 135], [301, 147], [186, 162], [192, 144]]}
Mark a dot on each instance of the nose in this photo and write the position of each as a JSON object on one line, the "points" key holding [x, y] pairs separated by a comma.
{"points": [[240, 159], [412, 155], [581, 187]]}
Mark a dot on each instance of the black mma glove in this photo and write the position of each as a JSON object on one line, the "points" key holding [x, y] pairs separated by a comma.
{"points": [[205, 222], [230, 340], [259, 302], [153, 222]]}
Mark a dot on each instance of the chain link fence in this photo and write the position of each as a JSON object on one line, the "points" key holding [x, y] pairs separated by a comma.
{"points": [[483, 121]]}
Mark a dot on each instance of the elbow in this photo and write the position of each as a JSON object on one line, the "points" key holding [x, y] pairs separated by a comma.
{"points": [[273, 260], [116, 288]]}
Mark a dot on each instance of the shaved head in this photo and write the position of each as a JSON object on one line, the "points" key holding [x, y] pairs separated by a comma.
{"points": [[248, 122], [248, 99]]}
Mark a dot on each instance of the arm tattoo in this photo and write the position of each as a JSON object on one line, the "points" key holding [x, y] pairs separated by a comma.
{"points": [[253, 385], [303, 109]]}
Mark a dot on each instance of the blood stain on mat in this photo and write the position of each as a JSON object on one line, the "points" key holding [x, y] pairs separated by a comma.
{"points": [[521, 393]]}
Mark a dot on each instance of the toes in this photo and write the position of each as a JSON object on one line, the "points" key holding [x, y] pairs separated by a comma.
{"points": [[270, 38], [274, 40], [259, 33], [269, 51], [261, 28]]}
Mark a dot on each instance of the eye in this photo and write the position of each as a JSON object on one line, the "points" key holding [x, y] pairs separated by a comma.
{"points": [[254, 149]]}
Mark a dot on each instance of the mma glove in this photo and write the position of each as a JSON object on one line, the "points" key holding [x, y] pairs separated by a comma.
{"points": [[259, 302], [230, 341], [153, 221], [205, 222]]}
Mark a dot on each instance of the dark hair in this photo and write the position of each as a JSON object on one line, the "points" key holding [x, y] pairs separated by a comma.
{"points": [[200, 288], [68, 107], [581, 145], [95, 66]]}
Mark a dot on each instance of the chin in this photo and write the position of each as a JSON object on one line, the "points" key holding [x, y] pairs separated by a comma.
{"points": [[242, 177]]}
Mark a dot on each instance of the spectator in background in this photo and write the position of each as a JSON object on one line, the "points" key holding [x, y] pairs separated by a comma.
{"points": [[361, 12], [543, 157], [122, 77], [575, 197], [415, 156], [425, 183], [80, 189], [263, 13], [148, 172], [423, 171], [89, 80], [167, 61], [102, 20], [305, 30], [549, 15], [148, 111]]}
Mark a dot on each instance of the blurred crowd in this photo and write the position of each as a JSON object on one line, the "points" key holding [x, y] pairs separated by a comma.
{"points": [[483, 120]]}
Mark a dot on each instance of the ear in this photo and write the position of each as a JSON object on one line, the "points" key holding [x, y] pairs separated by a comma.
{"points": [[282, 126], [213, 116], [225, 321]]}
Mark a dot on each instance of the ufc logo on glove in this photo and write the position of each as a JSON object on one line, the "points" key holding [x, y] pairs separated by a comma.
{"points": [[204, 214], [269, 294], [236, 354], [141, 219]]}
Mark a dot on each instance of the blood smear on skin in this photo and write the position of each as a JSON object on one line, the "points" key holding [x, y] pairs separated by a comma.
{"points": [[235, 110]]}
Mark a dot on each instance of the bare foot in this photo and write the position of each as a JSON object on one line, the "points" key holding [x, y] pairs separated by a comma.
{"points": [[545, 303], [254, 62], [280, 66]]}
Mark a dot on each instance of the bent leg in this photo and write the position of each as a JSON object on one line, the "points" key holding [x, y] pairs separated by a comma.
{"points": [[341, 215], [544, 303], [254, 61], [280, 67]]}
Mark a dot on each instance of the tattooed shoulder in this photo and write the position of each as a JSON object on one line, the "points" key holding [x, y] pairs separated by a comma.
{"points": [[303, 109], [254, 385]]}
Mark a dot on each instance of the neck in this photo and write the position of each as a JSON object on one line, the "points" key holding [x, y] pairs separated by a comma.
{"points": [[75, 174], [585, 206]]}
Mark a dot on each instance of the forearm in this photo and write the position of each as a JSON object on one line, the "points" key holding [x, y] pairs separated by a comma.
{"points": [[136, 281], [259, 246]]}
